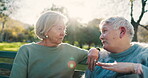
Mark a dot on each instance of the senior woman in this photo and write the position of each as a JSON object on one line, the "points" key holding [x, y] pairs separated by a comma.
{"points": [[121, 57], [49, 58]]}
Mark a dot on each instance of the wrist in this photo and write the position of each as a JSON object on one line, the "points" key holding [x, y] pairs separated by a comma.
{"points": [[137, 68], [133, 68]]}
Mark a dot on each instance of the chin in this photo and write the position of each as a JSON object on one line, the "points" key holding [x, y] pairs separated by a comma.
{"points": [[59, 42], [105, 47], [108, 49]]}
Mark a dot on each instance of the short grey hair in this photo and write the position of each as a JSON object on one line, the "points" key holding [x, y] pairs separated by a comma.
{"points": [[117, 22], [46, 21]]}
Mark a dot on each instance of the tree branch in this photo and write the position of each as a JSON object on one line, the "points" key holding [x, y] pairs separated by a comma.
{"points": [[146, 11], [144, 26], [145, 1], [132, 11], [142, 10]]}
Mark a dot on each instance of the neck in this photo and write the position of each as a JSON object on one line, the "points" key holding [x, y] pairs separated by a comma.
{"points": [[47, 43], [122, 48]]}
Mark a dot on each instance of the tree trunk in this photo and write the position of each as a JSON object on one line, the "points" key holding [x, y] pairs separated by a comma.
{"points": [[135, 39], [2, 32]]}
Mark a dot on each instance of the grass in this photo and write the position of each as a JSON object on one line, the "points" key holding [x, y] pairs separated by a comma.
{"points": [[10, 46]]}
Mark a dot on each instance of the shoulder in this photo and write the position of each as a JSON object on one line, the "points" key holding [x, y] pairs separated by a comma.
{"points": [[104, 54], [25, 48], [140, 46], [72, 47], [143, 45], [142, 49], [68, 45], [27, 45]]}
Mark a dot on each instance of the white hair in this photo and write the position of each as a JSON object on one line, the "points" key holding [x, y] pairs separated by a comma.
{"points": [[47, 21], [117, 22]]}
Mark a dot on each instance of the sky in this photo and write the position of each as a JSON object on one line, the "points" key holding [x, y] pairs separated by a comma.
{"points": [[30, 10]]}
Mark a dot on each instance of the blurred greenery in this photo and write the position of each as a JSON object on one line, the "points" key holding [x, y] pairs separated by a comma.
{"points": [[10, 46]]}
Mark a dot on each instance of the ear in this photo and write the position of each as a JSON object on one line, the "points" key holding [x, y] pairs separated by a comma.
{"points": [[46, 34], [122, 31]]}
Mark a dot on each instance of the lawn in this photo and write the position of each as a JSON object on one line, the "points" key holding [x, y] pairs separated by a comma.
{"points": [[10, 46]]}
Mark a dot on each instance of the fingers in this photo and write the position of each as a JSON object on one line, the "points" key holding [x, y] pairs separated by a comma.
{"points": [[94, 64], [91, 64], [88, 60], [105, 64], [108, 68], [92, 58]]}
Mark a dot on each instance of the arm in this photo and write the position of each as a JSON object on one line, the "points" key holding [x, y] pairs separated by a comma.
{"points": [[123, 67], [90, 57], [19, 69], [120, 67], [145, 71], [145, 65]]}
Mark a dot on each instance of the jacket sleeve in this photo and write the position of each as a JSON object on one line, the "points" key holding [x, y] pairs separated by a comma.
{"points": [[145, 65], [82, 56], [19, 68], [145, 71]]}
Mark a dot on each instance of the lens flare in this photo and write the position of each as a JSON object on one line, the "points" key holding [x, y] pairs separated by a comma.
{"points": [[72, 64]]}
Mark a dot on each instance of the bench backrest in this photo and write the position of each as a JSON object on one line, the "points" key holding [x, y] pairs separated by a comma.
{"points": [[6, 66]]}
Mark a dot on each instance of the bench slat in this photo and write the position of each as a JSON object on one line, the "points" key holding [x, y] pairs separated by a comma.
{"points": [[6, 66], [7, 54], [4, 77]]}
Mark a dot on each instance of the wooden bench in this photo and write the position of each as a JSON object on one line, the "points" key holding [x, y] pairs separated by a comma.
{"points": [[12, 54], [6, 66]]}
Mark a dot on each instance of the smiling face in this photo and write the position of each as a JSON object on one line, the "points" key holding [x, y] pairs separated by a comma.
{"points": [[56, 34], [110, 37]]}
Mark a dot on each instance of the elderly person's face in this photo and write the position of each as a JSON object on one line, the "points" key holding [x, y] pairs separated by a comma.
{"points": [[57, 33], [110, 37]]}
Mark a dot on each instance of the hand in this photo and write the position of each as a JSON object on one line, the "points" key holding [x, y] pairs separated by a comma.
{"points": [[121, 67], [92, 58]]}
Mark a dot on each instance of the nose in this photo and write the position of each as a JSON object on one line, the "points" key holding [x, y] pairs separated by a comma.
{"points": [[63, 33], [101, 37]]}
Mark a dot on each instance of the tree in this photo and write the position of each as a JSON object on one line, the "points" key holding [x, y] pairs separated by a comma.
{"points": [[93, 33], [73, 28], [137, 23], [54, 7], [142, 35], [5, 10]]}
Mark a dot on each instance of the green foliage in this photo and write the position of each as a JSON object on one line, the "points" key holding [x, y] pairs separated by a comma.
{"points": [[16, 31], [6, 8], [83, 33]]}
